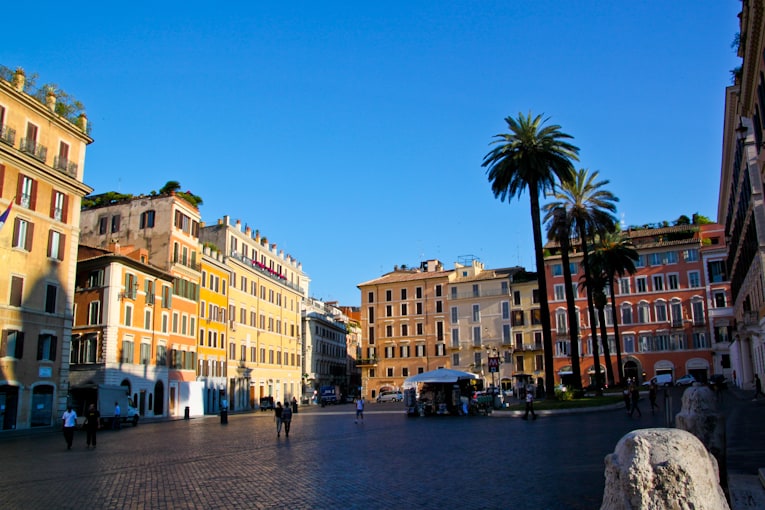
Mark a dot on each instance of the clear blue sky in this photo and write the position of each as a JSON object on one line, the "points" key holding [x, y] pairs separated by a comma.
{"points": [[352, 133]]}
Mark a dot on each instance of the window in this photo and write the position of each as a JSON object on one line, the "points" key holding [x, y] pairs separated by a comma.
{"points": [[673, 281], [145, 353], [371, 297], [626, 313], [46, 347], [505, 310], [96, 279], [128, 315], [404, 309], [519, 364], [661, 311], [624, 286], [476, 313], [439, 290], [94, 313], [388, 295], [456, 359], [162, 355], [127, 351], [561, 322], [404, 351], [719, 298], [539, 363], [693, 279], [644, 315], [439, 306], [640, 262], [477, 336], [454, 314], [147, 219], [536, 317], [56, 245], [658, 282], [557, 270], [102, 225], [419, 308], [716, 270], [697, 307], [51, 292], [405, 330], [420, 350], [519, 340], [629, 343], [517, 298], [505, 333], [476, 291], [26, 194], [692, 255], [388, 311], [517, 318], [17, 288], [641, 285], [58, 206], [403, 293], [147, 319], [23, 232], [559, 291], [12, 344], [535, 296], [677, 313], [115, 224]]}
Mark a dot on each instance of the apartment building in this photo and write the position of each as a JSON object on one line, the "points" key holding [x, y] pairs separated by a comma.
{"points": [[740, 208], [480, 321], [266, 288], [212, 365], [404, 326], [42, 160], [167, 227], [325, 347], [662, 309], [527, 348], [121, 333]]}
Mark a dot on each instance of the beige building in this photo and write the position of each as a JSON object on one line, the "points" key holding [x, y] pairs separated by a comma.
{"points": [[404, 326], [265, 289], [325, 347], [42, 160], [526, 322], [480, 328], [167, 227]]}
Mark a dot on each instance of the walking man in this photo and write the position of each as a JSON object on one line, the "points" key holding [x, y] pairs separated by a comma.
{"points": [[69, 419], [287, 419], [530, 404], [116, 419], [92, 419], [652, 389], [635, 396], [278, 410], [359, 410]]}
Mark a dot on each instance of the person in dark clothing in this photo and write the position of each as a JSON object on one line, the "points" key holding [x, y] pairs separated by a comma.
{"points": [[757, 386], [635, 396], [278, 412], [92, 423], [287, 419], [530, 405], [652, 389], [627, 399]]}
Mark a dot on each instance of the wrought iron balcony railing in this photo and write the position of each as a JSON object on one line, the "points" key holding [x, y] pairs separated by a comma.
{"points": [[65, 166], [34, 149], [7, 135]]}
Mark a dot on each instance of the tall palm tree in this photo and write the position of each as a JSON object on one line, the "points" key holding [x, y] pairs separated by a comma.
{"points": [[591, 209], [595, 281], [618, 258], [532, 155], [559, 229]]}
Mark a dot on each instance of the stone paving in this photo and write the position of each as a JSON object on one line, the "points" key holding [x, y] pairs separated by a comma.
{"points": [[390, 462]]}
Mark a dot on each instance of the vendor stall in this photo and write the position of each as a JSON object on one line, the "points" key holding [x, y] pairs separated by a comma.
{"points": [[440, 392]]}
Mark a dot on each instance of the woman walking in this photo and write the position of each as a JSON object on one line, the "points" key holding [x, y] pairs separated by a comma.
{"points": [[278, 417]]}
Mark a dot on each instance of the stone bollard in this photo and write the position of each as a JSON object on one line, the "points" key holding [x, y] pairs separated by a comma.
{"points": [[661, 469], [699, 415]]}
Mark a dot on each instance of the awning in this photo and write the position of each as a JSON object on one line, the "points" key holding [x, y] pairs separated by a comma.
{"points": [[441, 375]]}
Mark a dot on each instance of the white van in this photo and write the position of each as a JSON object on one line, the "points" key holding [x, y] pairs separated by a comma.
{"points": [[660, 380]]}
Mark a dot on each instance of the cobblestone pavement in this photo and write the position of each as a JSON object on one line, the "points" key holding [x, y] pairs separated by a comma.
{"points": [[328, 462]]}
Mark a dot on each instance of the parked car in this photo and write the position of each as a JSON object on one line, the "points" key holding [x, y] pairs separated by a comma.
{"points": [[660, 379], [390, 396], [719, 381], [686, 380]]}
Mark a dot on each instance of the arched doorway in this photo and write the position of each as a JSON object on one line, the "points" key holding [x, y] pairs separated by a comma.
{"points": [[631, 371], [159, 399]]}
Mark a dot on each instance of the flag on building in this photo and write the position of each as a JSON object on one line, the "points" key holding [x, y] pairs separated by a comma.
{"points": [[4, 216]]}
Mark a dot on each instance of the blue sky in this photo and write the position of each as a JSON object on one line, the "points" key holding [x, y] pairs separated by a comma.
{"points": [[352, 133]]}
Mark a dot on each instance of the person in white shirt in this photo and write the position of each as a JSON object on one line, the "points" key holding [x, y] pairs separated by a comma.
{"points": [[69, 419], [359, 410]]}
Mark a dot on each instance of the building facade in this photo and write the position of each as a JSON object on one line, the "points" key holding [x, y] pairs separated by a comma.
{"points": [[662, 309], [42, 160], [212, 365], [121, 331], [740, 208], [325, 349], [266, 288]]}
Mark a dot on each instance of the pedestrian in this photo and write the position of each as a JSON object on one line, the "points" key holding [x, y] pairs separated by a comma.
{"points": [[287, 419], [69, 421], [735, 385], [116, 419], [635, 394], [652, 390], [530, 404], [294, 405], [278, 410], [627, 399], [757, 386], [92, 419], [359, 410]]}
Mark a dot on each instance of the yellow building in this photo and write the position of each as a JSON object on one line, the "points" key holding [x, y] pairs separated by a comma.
{"points": [[42, 159], [526, 323], [403, 325], [265, 288], [212, 367]]}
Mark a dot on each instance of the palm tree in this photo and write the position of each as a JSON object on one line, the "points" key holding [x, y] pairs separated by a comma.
{"points": [[534, 156], [559, 229], [618, 258], [595, 281], [591, 211]]}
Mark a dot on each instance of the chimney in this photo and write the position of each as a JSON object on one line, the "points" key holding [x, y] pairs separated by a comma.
{"points": [[239, 225], [19, 79]]}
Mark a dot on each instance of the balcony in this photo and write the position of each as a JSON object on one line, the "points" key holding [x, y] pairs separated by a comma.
{"points": [[366, 362], [64, 165], [7, 135], [34, 149], [196, 266], [257, 266], [481, 293]]}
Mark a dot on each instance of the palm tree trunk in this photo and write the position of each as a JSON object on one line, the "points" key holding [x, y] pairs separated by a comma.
{"points": [[573, 326], [591, 309], [606, 348], [544, 306], [617, 337]]}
